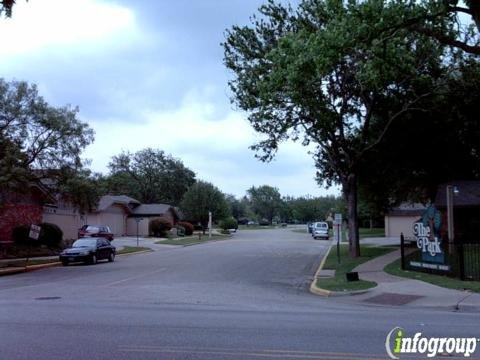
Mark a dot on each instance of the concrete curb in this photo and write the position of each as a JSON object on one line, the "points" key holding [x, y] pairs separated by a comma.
{"points": [[18, 270], [314, 289], [136, 252]]}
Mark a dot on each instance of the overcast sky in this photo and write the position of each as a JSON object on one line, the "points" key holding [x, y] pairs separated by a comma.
{"points": [[149, 73]]}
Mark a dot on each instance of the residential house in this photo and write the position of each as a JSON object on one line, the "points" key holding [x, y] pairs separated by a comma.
{"points": [[466, 208], [144, 213], [401, 219], [19, 208]]}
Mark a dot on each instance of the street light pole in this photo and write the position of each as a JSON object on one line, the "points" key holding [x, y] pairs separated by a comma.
{"points": [[451, 230]]}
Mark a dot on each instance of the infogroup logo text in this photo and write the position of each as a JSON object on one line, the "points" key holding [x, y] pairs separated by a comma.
{"points": [[397, 343]]}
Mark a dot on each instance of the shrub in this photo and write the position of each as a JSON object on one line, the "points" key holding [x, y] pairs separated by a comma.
{"points": [[160, 226], [20, 234], [229, 223], [188, 227], [50, 235], [264, 222]]}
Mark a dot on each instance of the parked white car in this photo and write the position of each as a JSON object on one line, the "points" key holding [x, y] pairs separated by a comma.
{"points": [[320, 230]]}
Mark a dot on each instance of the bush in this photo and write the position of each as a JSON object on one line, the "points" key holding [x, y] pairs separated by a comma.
{"points": [[264, 222], [159, 227], [229, 223], [50, 235], [20, 234], [187, 226]]}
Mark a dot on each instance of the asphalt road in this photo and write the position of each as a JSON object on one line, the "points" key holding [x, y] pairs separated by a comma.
{"points": [[245, 298]]}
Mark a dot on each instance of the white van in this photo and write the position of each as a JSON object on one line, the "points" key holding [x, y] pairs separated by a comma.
{"points": [[320, 230]]}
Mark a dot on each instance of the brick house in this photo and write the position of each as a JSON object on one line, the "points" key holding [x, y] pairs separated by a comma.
{"points": [[19, 208]]}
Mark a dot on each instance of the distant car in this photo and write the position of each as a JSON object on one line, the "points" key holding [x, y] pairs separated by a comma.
{"points": [[95, 231], [320, 230], [88, 250]]}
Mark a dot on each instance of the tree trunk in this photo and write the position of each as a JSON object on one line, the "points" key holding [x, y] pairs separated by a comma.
{"points": [[350, 193]]}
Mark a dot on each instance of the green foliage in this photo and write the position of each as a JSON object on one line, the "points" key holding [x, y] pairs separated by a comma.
{"points": [[50, 235], [20, 234], [150, 176], [35, 135], [159, 227], [187, 226], [238, 208], [336, 74], [201, 198], [228, 223], [265, 201]]}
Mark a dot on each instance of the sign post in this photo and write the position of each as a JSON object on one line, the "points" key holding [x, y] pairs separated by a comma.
{"points": [[337, 232], [33, 234], [137, 220], [209, 224]]}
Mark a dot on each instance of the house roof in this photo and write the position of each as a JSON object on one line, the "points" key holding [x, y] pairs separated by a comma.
{"points": [[408, 209], [153, 209], [108, 200], [468, 194]]}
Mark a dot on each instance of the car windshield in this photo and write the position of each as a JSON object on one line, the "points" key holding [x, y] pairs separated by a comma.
{"points": [[92, 229], [85, 243], [321, 225]]}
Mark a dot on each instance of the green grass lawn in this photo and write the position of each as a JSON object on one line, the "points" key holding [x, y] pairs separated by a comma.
{"points": [[374, 232], [256, 227], [190, 240], [339, 281], [395, 269], [132, 249]]}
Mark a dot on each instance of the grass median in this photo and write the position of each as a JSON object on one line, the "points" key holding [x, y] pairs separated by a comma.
{"points": [[339, 281], [192, 240], [132, 249], [394, 268]]}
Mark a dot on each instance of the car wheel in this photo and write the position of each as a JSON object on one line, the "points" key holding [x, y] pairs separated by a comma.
{"points": [[64, 262], [111, 258], [93, 259]]}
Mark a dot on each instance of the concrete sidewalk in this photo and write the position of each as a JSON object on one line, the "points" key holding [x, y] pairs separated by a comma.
{"points": [[393, 290]]}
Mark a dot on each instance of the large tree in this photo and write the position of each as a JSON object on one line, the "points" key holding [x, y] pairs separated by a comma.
{"points": [[201, 198], [265, 201], [318, 73], [426, 149], [36, 137], [150, 176]]}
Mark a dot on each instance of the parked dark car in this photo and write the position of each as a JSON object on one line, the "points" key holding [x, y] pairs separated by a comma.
{"points": [[88, 250], [95, 231]]}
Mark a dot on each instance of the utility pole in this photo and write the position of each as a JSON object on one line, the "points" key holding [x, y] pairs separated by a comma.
{"points": [[451, 230]]}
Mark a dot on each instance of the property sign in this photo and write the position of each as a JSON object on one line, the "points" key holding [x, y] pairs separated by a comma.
{"points": [[34, 232], [427, 232]]}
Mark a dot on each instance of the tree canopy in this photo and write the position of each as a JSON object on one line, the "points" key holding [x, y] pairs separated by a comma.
{"points": [[201, 198], [36, 136], [325, 72], [150, 176], [265, 201]]}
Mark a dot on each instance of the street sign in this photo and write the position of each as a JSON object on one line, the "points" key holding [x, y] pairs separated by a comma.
{"points": [[34, 232], [338, 219]]}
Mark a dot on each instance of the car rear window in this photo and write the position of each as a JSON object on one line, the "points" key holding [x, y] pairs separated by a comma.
{"points": [[92, 229]]}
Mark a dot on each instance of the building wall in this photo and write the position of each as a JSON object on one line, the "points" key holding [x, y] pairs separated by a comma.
{"points": [[395, 225], [142, 227], [67, 219], [13, 215], [114, 217]]}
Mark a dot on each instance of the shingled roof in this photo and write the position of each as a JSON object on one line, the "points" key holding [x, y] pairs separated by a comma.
{"points": [[153, 210], [468, 194], [109, 200]]}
